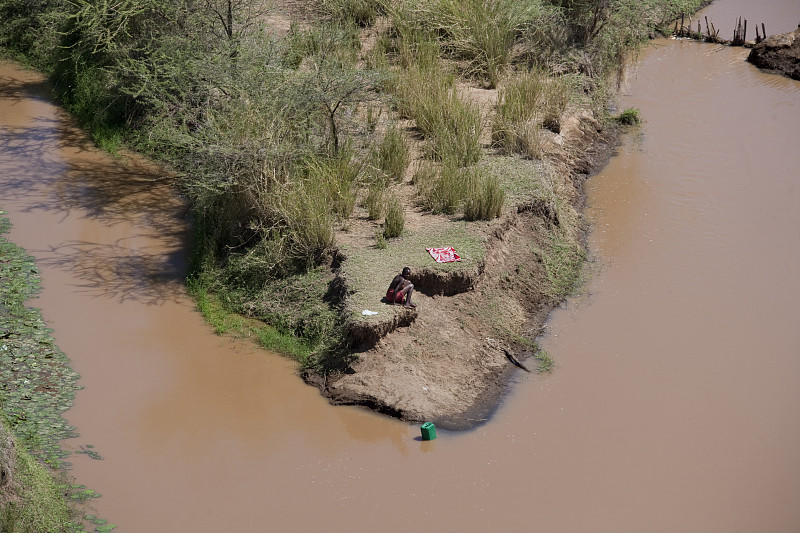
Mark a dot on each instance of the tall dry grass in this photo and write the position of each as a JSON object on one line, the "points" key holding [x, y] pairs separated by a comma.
{"points": [[482, 32], [527, 103], [485, 200], [392, 154], [450, 124]]}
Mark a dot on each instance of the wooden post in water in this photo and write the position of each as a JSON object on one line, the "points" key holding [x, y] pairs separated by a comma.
{"points": [[763, 31], [740, 33]]}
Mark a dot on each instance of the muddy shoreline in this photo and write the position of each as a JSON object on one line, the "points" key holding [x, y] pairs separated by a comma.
{"points": [[778, 54]]}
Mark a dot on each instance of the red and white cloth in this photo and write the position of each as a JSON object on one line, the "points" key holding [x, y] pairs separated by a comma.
{"points": [[444, 255]]}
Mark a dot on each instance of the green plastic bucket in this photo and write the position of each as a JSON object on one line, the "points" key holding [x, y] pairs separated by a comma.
{"points": [[428, 431]]}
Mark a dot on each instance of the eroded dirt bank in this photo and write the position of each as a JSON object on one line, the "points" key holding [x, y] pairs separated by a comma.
{"points": [[779, 53], [446, 361]]}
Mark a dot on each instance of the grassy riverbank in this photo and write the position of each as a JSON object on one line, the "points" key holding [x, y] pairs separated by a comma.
{"points": [[325, 144]]}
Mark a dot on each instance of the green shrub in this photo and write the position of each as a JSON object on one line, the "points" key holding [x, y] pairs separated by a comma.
{"points": [[290, 217], [629, 117], [409, 41], [88, 92], [482, 32], [395, 218], [525, 102], [555, 101], [339, 39], [518, 102], [380, 240], [334, 179]]}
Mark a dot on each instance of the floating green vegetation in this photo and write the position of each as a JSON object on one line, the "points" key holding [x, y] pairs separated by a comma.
{"points": [[545, 361], [37, 383]]}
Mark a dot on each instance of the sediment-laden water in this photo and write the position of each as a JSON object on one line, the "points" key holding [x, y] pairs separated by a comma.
{"points": [[674, 404]]}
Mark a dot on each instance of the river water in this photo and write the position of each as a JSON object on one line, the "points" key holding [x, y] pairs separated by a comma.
{"points": [[674, 404]]}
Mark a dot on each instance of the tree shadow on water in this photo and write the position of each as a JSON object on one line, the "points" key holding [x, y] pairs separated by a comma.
{"points": [[48, 165], [122, 271], [56, 173]]}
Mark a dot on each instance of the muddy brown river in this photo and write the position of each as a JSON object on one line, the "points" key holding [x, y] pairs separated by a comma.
{"points": [[674, 404]]}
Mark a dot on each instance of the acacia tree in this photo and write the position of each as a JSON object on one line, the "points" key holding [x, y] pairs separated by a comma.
{"points": [[335, 90]]}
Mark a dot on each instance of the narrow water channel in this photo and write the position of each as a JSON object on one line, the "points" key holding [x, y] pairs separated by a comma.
{"points": [[674, 405]]}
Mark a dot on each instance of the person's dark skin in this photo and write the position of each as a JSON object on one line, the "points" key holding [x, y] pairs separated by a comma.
{"points": [[401, 284]]}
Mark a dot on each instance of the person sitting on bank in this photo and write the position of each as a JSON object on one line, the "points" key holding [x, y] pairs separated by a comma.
{"points": [[401, 289]]}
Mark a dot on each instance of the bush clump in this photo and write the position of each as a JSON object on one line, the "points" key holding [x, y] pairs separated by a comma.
{"points": [[481, 32], [629, 117], [360, 12], [392, 155], [374, 200], [485, 200], [395, 218]]}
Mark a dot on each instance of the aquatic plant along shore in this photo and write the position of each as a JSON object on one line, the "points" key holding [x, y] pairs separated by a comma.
{"points": [[38, 386]]}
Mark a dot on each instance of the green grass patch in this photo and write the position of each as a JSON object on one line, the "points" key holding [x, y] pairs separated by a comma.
{"points": [[444, 190], [392, 154], [528, 102], [545, 362], [359, 12], [395, 218], [368, 272], [375, 201], [32, 501], [521, 179], [485, 200], [480, 32], [629, 117], [563, 262], [224, 320]]}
